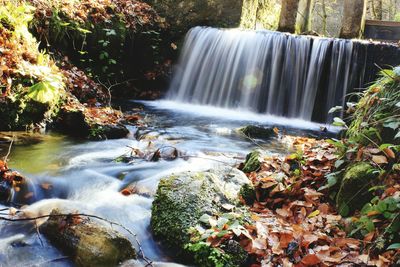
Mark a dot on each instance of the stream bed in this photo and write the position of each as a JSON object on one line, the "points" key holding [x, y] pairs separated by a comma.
{"points": [[84, 176]]}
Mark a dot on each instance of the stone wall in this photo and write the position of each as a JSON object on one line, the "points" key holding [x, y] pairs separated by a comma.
{"points": [[182, 15]]}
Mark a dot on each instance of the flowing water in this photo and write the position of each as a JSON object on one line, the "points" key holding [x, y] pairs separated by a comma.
{"points": [[83, 176], [271, 72]]}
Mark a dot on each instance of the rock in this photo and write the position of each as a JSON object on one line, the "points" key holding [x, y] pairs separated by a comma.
{"points": [[353, 193], [252, 162], [5, 191], [252, 131], [108, 131], [181, 200], [87, 243], [76, 123], [22, 113]]}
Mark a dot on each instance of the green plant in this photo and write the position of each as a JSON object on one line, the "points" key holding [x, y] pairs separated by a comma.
{"points": [[379, 212]]}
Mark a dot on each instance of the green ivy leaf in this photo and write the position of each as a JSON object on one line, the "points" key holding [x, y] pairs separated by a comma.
{"points": [[394, 246]]}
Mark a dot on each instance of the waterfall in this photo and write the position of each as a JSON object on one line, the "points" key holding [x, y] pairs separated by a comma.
{"points": [[268, 72]]}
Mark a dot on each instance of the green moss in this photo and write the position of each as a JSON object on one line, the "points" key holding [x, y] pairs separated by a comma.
{"points": [[252, 162], [233, 254], [353, 193], [252, 131], [248, 193], [178, 205]]}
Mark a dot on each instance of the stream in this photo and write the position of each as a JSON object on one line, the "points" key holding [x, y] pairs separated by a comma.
{"points": [[83, 176]]}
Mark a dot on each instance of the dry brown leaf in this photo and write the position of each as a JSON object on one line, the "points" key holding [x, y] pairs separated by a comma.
{"points": [[379, 159], [310, 260]]}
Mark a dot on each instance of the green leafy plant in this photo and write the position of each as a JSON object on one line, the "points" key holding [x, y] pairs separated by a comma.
{"points": [[379, 212]]}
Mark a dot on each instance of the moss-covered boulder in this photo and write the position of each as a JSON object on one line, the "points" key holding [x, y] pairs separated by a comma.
{"points": [[353, 193], [91, 123], [87, 243], [252, 162], [182, 199]]}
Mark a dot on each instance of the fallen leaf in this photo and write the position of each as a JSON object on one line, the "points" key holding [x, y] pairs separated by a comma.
{"points": [[310, 260], [389, 153], [379, 159]]}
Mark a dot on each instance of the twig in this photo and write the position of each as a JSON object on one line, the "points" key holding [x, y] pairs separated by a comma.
{"points": [[108, 88], [141, 252], [9, 151]]}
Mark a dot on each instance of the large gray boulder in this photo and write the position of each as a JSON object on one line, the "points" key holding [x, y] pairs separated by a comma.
{"points": [[87, 243]]}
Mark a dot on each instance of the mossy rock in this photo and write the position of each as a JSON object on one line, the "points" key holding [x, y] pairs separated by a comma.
{"points": [[75, 123], [23, 113], [353, 193], [183, 198], [252, 162], [253, 131], [248, 193], [87, 243]]}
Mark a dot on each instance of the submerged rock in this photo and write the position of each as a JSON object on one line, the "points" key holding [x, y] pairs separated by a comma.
{"points": [[253, 131], [252, 162], [183, 198], [353, 193], [87, 243]]}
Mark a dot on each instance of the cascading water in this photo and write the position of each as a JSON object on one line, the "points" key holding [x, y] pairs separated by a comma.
{"points": [[268, 72]]}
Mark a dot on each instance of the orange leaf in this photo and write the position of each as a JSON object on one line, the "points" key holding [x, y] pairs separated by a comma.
{"points": [[373, 213], [310, 260], [285, 239], [389, 153], [126, 192], [360, 152]]}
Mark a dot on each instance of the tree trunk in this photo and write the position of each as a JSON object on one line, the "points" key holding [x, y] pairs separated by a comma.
{"points": [[353, 18], [287, 20], [305, 13]]}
